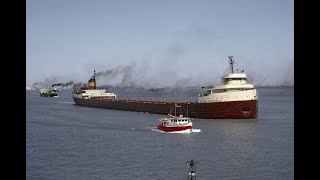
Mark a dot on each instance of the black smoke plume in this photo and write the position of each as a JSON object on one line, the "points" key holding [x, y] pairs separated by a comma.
{"points": [[63, 84], [124, 72]]}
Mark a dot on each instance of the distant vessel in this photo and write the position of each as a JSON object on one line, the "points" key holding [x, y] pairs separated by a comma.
{"points": [[174, 122], [235, 98], [28, 88], [48, 92], [156, 89]]}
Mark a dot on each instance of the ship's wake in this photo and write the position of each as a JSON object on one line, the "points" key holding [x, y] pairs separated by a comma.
{"points": [[178, 132]]}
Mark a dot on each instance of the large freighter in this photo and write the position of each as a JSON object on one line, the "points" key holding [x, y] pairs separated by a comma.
{"points": [[234, 98]]}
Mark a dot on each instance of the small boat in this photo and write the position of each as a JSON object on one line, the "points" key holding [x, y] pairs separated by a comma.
{"points": [[48, 92], [174, 122]]}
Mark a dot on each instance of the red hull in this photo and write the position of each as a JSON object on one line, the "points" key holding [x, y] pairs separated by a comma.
{"points": [[171, 129], [215, 110]]}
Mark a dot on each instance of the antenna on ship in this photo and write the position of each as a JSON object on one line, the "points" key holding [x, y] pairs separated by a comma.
{"points": [[187, 110], [192, 170], [231, 61], [175, 101]]}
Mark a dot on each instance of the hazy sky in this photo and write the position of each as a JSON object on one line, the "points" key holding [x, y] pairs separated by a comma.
{"points": [[159, 42]]}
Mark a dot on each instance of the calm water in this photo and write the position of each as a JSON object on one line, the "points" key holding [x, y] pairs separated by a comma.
{"points": [[65, 141]]}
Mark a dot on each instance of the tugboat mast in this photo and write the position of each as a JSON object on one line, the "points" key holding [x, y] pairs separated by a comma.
{"points": [[231, 61]]}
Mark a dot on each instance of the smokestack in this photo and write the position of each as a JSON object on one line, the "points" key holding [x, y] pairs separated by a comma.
{"points": [[92, 81]]}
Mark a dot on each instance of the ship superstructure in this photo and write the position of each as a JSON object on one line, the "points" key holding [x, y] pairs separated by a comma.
{"points": [[91, 91], [234, 87]]}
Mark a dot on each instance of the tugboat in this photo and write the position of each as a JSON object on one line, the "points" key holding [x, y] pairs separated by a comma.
{"points": [[48, 92], [174, 123]]}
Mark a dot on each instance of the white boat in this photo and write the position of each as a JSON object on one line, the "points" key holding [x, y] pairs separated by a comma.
{"points": [[174, 122]]}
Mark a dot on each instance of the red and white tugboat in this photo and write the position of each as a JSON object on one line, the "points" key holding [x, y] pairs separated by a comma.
{"points": [[174, 123]]}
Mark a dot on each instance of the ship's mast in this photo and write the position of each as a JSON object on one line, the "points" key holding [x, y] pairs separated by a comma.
{"points": [[175, 101], [187, 110], [231, 61], [175, 109]]}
